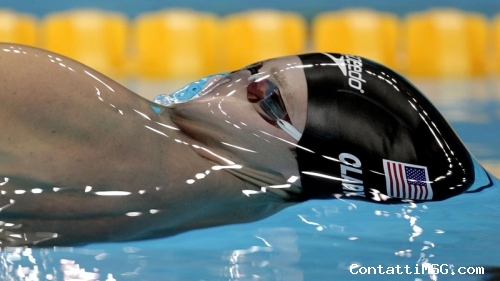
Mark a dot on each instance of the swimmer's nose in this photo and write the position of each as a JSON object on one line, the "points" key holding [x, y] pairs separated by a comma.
{"points": [[191, 91]]}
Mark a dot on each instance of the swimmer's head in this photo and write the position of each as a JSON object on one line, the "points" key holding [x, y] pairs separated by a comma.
{"points": [[358, 128], [375, 136], [252, 116], [266, 87]]}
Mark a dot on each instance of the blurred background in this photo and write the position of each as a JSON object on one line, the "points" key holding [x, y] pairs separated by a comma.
{"points": [[193, 38], [449, 48]]}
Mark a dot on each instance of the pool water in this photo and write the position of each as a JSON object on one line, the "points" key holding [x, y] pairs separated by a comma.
{"points": [[315, 240]]}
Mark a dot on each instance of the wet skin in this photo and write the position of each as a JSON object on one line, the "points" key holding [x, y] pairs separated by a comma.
{"points": [[70, 133]]}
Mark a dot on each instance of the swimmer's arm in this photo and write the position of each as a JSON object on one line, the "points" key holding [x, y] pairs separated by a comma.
{"points": [[211, 205]]}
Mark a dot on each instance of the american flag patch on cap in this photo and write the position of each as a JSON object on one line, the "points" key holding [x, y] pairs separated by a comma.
{"points": [[407, 181]]}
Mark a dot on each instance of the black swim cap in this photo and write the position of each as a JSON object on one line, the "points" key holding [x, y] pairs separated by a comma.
{"points": [[371, 132]]}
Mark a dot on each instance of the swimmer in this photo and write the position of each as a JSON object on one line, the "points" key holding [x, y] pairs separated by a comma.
{"points": [[84, 160]]}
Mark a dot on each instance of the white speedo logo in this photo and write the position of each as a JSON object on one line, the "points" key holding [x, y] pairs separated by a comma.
{"points": [[351, 67]]}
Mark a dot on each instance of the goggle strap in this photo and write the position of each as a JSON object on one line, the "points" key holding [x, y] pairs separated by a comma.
{"points": [[287, 127]]}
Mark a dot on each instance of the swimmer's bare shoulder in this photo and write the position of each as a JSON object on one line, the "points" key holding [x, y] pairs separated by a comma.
{"points": [[70, 133]]}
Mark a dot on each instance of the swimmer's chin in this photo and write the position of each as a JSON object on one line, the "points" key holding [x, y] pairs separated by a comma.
{"points": [[257, 155]]}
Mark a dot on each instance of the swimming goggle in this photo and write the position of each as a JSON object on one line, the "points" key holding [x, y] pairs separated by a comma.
{"points": [[261, 93], [268, 102]]}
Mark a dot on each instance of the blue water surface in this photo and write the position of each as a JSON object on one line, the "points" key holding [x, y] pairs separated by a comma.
{"points": [[316, 240]]}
